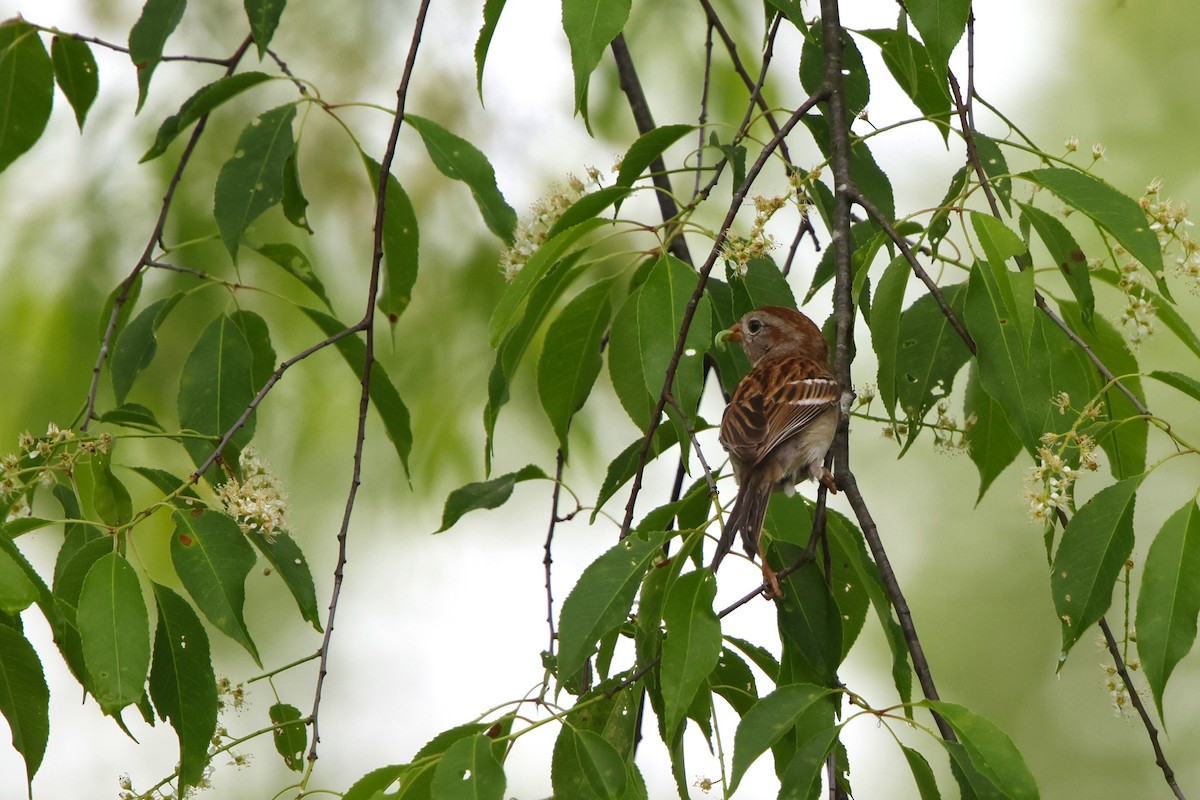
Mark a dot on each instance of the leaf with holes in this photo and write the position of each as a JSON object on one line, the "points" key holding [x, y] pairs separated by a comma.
{"points": [[252, 180], [469, 770], [929, 354], [27, 78], [206, 99], [401, 245], [76, 73]]}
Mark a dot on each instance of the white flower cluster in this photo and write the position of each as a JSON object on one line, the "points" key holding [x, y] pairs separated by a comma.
{"points": [[533, 228], [739, 251], [257, 501], [1048, 486], [1170, 222]]}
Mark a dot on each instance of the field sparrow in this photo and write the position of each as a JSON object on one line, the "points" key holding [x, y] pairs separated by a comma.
{"points": [[781, 419]]}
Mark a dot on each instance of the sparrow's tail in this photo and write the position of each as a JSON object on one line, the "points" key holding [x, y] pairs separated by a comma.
{"points": [[747, 516]]}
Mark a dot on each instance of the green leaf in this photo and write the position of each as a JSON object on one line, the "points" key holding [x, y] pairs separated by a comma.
{"points": [[252, 180], [382, 391], [1015, 288], [1113, 211], [148, 36], [459, 159], [76, 73], [995, 167], [908, 61], [24, 699], [212, 559], [295, 262], [602, 766], [762, 284], [486, 494], [767, 722], [662, 302], [733, 680], [202, 102], [1067, 256], [570, 359], [990, 750], [1090, 557], [929, 354], [295, 204], [992, 443], [1177, 380], [114, 627], [110, 498], [372, 785], [872, 181], [810, 622], [401, 245], [941, 24], [624, 466], [26, 89], [518, 295], [516, 342], [590, 25], [922, 774], [469, 770], [17, 592], [649, 146], [693, 643], [601, 600], [132, 415], [855, 83], [182, 683], [802, 776], [290, 738], [491, 17], [137, 344], [264, 18], [886, 308], [215, 388], [1169, 599], [587, 207], [625, 367], [289, 563]]}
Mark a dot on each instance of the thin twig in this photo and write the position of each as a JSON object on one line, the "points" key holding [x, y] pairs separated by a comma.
{"points": [[126, 286], [385, 169], [844, 195], [1160, 758], [547, 560]]}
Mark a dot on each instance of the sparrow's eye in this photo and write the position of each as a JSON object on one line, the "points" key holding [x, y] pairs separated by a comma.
{"points": [[754, 326]]}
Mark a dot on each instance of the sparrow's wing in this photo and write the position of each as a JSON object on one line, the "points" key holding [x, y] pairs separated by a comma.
{"points": [[777, 400]]}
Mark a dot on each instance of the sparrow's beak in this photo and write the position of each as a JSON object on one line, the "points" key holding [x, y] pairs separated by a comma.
{"points": [[733, 334]]}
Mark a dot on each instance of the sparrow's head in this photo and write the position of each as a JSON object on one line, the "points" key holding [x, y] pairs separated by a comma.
{"points": [[775, 331]]}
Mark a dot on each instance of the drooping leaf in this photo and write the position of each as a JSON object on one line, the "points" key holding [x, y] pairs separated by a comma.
{"points": [[995, 166], [601, 599], [990, 750], [662, 301], [401, 245], [590, 25], [215, 388], [855, 82], [202, 102], [137, 344], [264, 18], [992, 445], [922, 774], [941, 24], [1015, 288], [469, 770], [767, 722], [382, 391], [148, 36], [909, 62], [491, 17], [294, 203], [110, 498], [592, 753], [486, 494], [1093, 550], [1067, 256], [1169, 599], [693, 643], [213, 558], [252, 180], [624, 466], [601, 764], [24, 699], [288, 561], [114, 627], [570, 359], [76, 73], [734, 681], [1184, 383], [26, 89], [802, 775], [649, 146], [886, 308], [17, 592], [182, 682], [1113, 211], [295, 262], [457, 158], [872, 181], [290, 737], [810, 622]]}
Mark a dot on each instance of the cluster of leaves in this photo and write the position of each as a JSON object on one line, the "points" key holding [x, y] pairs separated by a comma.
{"points": [[639, 630]]}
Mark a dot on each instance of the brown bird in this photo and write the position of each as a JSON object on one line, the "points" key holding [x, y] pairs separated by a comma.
{"points": [[781, 419]]}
